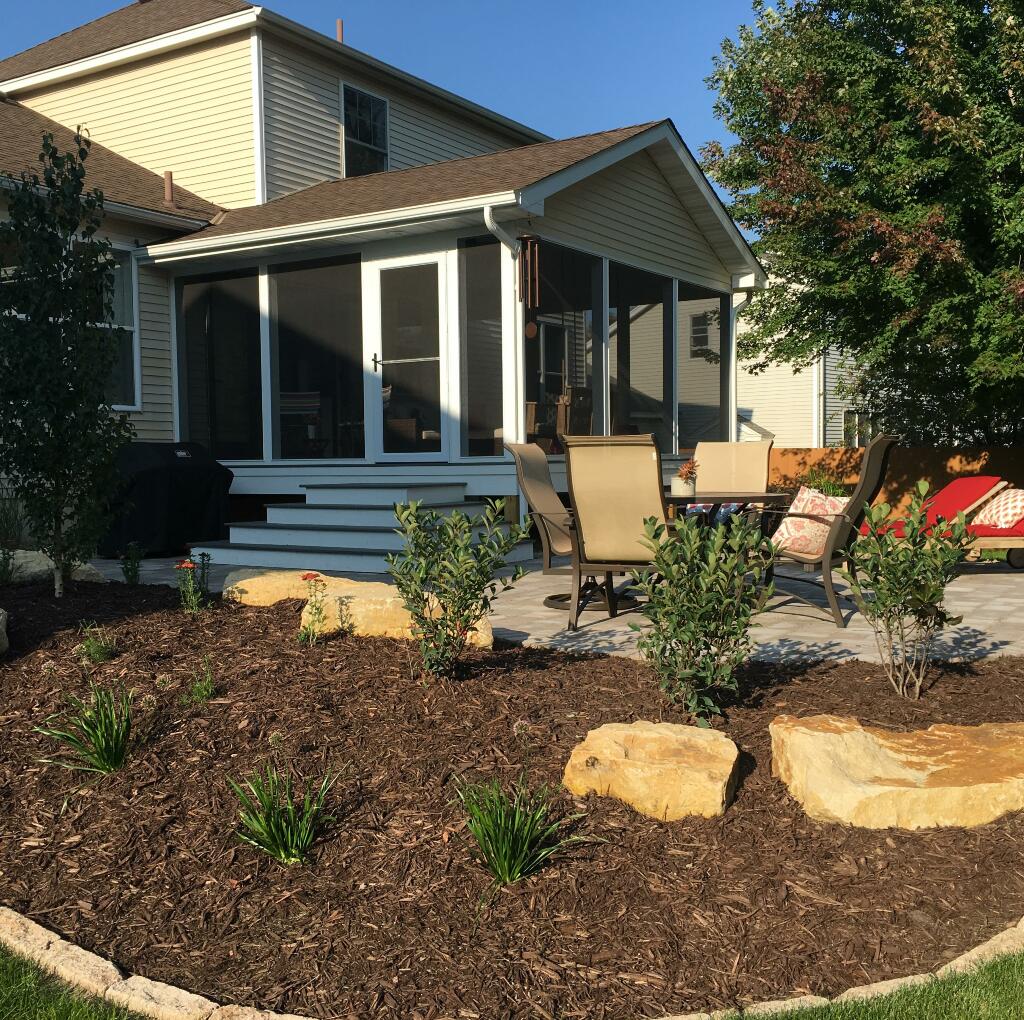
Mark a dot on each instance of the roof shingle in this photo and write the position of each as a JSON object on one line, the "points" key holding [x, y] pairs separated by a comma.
{"points": [[120, 180], [505, 170], [140, 20]]}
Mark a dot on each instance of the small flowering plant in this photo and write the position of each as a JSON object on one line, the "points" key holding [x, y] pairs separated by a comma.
{"points": [[194, 582], [316, 587], [687, 471]]}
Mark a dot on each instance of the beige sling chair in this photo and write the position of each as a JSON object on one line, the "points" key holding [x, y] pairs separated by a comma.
{"points": [[732, 467], [549, 515], [615, 484]]}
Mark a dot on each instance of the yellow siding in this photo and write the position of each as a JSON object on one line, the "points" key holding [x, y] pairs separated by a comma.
{"points": [[302, 121], [188, 111], [629, 212], [779, 400], [156, 420]]}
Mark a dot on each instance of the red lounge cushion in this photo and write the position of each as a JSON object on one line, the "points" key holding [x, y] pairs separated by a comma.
{"points": [[987, 531], [950, 500]]}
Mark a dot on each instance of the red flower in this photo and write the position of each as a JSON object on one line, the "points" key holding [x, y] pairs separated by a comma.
{"points": [[185, 565], [311, 576]]}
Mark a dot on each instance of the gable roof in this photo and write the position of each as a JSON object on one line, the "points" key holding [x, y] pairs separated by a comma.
{"points": [[140, 20], [121, 181], [503, 171]]}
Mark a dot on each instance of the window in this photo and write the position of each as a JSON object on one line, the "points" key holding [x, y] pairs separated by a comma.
{"points": [[121, 388], [857, 428], [699, 335], [366, 133]]}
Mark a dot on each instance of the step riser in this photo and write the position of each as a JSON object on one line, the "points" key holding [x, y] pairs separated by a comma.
{"points": [[292, 559], [302, 515], [385, 497], [347, 540]]}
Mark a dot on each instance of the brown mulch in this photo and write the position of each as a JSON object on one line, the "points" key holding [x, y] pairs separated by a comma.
{"points": [[391, 917]]}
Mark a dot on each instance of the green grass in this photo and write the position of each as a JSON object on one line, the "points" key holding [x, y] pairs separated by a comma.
{"points": [[27, 994]]}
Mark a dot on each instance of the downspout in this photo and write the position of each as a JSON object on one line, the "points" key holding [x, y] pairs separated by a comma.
{"points": [[512, 243], [734, 396]]}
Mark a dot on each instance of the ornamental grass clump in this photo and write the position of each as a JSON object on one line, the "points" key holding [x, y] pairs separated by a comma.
{"points": [[515, 833], [203, 686], [447, 576], [898, 573], [97, 732], [96, 646], [273, 820], [704, 587]]}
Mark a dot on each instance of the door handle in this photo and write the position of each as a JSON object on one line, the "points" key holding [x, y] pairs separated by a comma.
{"points": [[377, 362]]}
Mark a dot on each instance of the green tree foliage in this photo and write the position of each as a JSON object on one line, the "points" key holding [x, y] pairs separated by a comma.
{"points": [[879, 161], [58, 437]]}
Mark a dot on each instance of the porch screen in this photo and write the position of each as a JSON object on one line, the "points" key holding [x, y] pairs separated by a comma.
{"points": [[640, 353], [221, 364], [562, 384], [317, 352], [482, 412], [701, 394]]}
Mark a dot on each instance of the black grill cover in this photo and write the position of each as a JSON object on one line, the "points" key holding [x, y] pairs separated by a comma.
{"points": [[171, 495]]}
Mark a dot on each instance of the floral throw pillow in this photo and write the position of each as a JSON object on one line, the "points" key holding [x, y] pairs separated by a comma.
{"points": [[1004, 511], [807, 537]]}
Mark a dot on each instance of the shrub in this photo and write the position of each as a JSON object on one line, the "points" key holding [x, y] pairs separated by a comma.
{"points": [[194, 583], [704, 587], [131, 562], [516, 834], [96, 645], [899, 584], [447, 576], [316, 588], [11, 529], [202, 687], [272, 820], [820, 480], [98, 732]]}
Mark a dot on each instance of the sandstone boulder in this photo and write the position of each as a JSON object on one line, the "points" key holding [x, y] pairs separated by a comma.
{"points": [[841, 771], [30, 565], [364, 608], [663, 770]]}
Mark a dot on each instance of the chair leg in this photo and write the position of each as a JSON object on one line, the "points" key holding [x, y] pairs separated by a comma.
{"points": [[611, 596], [830, 593], [574, 599]]}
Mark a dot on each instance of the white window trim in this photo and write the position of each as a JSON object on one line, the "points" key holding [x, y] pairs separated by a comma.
{"points": [[135, 329], [691, 349], [342, 85]]}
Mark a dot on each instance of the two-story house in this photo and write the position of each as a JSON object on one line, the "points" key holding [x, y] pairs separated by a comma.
{"points": [[351, 284]]}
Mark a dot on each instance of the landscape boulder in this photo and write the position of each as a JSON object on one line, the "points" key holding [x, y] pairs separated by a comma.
{"points": [[363, 608], [31, 565], [841, 771], [663, 770]]}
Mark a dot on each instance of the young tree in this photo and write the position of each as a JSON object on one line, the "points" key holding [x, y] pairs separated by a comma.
{"points": [[58, 436], [879, 161]]}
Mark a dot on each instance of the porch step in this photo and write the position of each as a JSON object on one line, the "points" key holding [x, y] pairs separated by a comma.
{"points": [[283, 557], [383, 494], [364, 515]]}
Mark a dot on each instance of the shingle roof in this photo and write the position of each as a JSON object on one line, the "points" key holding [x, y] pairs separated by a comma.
{"points": [[120, 180], [140, 20], [505, 170]]}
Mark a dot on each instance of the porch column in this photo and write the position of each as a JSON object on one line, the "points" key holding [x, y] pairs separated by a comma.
{"points": [[599, 352], [266, 366], [727, 368], [670, 362]]}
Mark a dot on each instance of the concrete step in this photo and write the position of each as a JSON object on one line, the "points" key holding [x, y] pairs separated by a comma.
{"points": [[322, 536], [367, 515], [383, 494]]}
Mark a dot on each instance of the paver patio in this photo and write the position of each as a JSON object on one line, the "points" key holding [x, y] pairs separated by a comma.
{"points": [[989, 595]]}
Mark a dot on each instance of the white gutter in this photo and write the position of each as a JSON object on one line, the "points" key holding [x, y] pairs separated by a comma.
{"points": [[323, 230], [513, 244]]}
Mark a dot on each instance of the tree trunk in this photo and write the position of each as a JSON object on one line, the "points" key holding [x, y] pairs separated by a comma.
{"points": [[58, 581]]}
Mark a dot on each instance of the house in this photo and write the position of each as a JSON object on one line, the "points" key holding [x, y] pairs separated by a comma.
{"points": [[354, 286]]}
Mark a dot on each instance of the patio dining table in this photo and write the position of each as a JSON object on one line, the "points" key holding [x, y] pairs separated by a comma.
{"points": [[717, 499]]}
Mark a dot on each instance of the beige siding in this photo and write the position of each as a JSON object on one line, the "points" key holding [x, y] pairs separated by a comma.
{"points": [[302, 121], [699, 380], [188, 111], [836, 404], [779, 400], [156, 420], [630, 212]]}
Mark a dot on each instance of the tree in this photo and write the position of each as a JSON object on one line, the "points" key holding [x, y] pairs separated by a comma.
{"points": [[58, 436], [879, 161]]}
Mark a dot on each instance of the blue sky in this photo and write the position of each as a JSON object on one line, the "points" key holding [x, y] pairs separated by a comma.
{"points": [[564, 67]]}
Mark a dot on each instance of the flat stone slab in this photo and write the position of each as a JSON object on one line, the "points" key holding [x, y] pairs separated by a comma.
{"points": [[663, 770], [841, 771], [160, 1001]]}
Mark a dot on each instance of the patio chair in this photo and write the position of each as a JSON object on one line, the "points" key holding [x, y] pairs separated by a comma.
{"points": [[732, 467], [615, 484], [842, 527], [548, 512], [963, 495]]}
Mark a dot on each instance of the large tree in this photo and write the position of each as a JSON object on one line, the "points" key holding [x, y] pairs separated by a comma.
{"points": [[58, 436], [880, 162]]}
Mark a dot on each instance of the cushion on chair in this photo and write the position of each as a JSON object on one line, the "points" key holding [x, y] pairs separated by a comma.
{"points": [[1005, 511], [799, 535], [956, 497], [987, 531]]}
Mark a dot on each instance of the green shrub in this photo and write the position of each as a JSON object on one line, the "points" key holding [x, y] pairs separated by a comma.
{"points": [[899, 584], [447, 576], [194, 583], [98, 733], [97, 645], [704, 588], [11, 532], [274, 821], [516, 834], [131, 561], [818, 478], [202, 687]]}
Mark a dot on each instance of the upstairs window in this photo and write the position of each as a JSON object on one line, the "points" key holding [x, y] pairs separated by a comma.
{"points": [[366, 133]]}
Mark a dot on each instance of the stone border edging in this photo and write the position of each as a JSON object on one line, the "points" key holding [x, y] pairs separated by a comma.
{"points": [[92, 975]]}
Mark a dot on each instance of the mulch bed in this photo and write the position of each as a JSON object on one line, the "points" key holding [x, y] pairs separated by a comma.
{"points": [[391, 917]]}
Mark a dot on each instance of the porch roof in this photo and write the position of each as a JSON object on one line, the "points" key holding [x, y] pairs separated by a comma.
{"points": [[122, 182]]}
